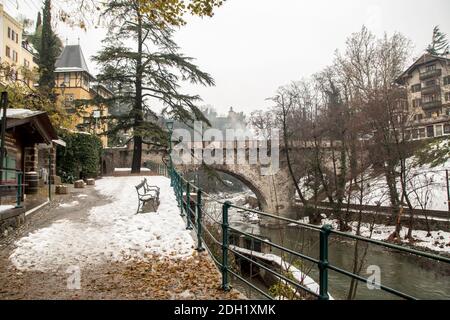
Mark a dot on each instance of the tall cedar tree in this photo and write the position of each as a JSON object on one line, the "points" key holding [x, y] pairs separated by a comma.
{"points": [[47, 52], [139, 53], [38, 21], [439, 43]]}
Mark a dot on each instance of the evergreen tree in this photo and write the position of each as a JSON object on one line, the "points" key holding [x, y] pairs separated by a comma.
{"points": [[47, 52], [439, 43], [38, 22], [150, 69]]}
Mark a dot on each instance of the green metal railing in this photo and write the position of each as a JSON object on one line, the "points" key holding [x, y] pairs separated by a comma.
{"points": [[12, 178], [191, 199]]}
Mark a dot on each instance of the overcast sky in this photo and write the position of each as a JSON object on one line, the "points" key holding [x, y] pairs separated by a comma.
{"points": [[251, 47]]}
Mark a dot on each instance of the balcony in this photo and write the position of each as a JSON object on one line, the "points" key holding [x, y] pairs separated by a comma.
{"points": [[430, 74], [431, 89], [431, 104]]}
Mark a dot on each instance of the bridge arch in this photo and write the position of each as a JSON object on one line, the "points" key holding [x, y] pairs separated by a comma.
{"points": [[259, 194]]}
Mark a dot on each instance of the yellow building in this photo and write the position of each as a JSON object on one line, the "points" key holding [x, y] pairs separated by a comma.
{"points": [[15, 50], [427, 82], [74, 83]]}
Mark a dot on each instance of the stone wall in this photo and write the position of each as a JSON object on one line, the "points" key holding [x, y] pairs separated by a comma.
{"points": [[31, 159], [10, 220]]}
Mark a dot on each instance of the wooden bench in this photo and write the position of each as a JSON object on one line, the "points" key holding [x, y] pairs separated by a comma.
{"points": [[147, 193]]}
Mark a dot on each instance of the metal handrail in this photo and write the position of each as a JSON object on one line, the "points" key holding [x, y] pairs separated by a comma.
{"points": [[19, 184], [194, 215]]}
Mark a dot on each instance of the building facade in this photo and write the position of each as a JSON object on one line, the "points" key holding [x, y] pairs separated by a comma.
{"points": [[427, 82], [76, 88], [15, 50]]}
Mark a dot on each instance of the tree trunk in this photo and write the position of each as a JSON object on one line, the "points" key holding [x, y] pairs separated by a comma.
{"points": [[137, 155], [138, 112]]}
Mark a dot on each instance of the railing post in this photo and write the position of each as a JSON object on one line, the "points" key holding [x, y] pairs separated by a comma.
{"points": [[49, 181], [225, 284], [188, 206], [19, 190], [323, 262], [198, 211], [180, 194]]}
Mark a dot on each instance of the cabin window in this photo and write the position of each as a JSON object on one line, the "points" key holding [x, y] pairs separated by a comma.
{"points": [[9, 163]]}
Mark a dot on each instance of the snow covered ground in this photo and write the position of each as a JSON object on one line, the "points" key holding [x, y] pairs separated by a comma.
{"points": [[426, 182], [129, 170], [6, 207], [112, 232], [439, 240]]}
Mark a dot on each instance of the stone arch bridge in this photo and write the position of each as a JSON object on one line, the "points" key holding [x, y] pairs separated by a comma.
{"points": [[275, 192]]}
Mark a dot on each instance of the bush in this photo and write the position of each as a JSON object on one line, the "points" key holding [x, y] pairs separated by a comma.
{"points": [[81, 158]]}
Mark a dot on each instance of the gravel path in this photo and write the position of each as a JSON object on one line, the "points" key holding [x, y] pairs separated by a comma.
{"points": [[159, 278]]}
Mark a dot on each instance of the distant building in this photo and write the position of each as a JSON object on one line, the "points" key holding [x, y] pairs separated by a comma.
{"points": [[14, 49], [427, 82], [74, 83]]}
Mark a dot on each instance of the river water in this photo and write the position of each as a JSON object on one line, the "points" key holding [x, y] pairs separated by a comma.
{"points": [[419, 277]]}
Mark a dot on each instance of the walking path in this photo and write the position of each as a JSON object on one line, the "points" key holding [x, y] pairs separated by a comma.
{"points": [[91, 245]]}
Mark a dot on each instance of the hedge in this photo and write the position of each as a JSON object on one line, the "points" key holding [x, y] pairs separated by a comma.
{"points": [[81, 157]]}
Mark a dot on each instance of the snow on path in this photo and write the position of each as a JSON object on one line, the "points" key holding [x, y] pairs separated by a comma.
{"points": [[113, 232]]}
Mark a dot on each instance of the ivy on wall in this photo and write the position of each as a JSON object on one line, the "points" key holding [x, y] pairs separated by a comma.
{"points": [[81, 157]]}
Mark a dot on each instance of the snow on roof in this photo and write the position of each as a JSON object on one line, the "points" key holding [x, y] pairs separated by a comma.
{"points": [[20, 113]]}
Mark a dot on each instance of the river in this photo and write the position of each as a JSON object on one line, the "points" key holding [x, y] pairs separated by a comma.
{"points": [[419, 277]]}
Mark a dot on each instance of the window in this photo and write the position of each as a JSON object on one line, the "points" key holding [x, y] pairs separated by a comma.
{"points": [[430, 83], [8, 52], [67, 79], [430, 131], [422, 133], [13, 35], [439, 130], [17, 38], [15, 56], [430, 68], [85, 81], [69, 97], [447, 96], [447, 128], [9, 32], [26, 63], [416, 103], [9, 162], [415, 133], [416, 87], [446, 80], [430, 98]]}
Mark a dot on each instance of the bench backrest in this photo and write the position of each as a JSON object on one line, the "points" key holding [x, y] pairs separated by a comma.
{"points": [[140, 186]]}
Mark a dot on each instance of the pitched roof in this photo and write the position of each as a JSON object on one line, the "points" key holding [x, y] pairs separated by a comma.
{"points": [[424, 59], [71, 59], [38, 120]]}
